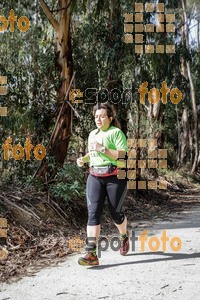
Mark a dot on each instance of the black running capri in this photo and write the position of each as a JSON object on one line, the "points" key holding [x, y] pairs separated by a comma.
{"points": [[98, 188]]}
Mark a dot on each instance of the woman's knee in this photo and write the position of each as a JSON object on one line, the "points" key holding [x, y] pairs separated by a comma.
{"points": [[93, 219]]}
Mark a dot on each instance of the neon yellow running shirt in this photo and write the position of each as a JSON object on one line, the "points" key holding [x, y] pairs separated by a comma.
{"points": [[111, 138]]}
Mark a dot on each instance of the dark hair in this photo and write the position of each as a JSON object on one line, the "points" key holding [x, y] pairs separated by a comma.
{"points": [[111, 112]]}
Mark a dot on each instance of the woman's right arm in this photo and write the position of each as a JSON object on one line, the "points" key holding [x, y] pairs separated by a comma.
{"points": [[86, 158], [83, 159]]}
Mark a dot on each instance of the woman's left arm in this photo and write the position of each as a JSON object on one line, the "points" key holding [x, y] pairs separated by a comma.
{"points": [[114, 154]]}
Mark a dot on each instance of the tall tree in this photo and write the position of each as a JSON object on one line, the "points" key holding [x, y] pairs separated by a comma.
{"points": [[59, 141], [184, 135], [192, 92]]}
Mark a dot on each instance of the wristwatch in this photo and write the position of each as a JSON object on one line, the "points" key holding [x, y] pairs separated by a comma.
{"points": [[103, 150]]}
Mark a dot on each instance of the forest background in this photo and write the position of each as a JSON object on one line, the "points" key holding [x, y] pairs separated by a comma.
{"points": [[80, 45]]}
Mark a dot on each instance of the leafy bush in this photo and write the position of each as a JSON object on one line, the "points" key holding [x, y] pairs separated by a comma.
{"points": [[70, 183]]}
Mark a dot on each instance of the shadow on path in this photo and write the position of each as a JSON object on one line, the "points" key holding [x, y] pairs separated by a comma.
{"points": [[173, 256]]}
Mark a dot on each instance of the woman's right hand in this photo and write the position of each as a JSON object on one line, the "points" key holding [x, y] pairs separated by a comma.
{"points": [[80, 162]]}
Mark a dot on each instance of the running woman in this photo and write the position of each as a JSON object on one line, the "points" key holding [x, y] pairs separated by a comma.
{"points": [[104, 144]]}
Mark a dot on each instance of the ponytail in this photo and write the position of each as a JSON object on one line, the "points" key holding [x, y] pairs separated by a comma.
{"points": [[115, 122]]}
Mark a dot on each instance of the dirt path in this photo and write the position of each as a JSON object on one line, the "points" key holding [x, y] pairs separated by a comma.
{"points": [[139, 275]]}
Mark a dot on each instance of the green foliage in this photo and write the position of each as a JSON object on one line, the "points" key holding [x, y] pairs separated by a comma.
{"points": [[100, 56], [30, 65], [70, 183], [34, 182]]}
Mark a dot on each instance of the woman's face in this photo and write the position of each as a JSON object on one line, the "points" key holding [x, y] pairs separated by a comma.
{"points": [[101, 119]]}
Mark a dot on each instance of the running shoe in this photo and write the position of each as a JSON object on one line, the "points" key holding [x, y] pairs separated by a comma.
{"points": [[89, 260], [124, 245]]}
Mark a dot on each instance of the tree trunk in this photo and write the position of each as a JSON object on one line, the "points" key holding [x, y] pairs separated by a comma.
{"points": [[194, 111], [192, 92], [115, 62], [184, 135], [59, 141], [179, 137], [183, 143]]}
